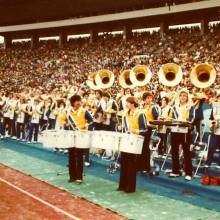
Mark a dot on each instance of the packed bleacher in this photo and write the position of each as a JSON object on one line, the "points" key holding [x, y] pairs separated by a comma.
{"points": [[24, 68]]}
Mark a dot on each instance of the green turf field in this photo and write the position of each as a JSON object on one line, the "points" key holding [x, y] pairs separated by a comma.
{"points": [[143, 204]]}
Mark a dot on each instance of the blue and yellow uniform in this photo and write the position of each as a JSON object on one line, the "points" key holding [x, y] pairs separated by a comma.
{"points": [[76, 119], [79, 119], [134, 123], [151, 112], [181, 136]]}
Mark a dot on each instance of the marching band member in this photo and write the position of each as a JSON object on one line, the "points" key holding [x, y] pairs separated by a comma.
{"points": [[181, 136], [76, 118], [122, 102], [98, 98], [134, 123], [1, 117], [6, 115], [61, 109], [35, 112], [98, 111], [21, 116], [108, 106], [151, 112], [196, 111], [52, 114], [13, 102], [215, 133], [46, 112], [164, 112]]}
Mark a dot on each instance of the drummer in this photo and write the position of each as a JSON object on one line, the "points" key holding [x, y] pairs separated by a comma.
{"points": [[77, 118], [133, 122]]}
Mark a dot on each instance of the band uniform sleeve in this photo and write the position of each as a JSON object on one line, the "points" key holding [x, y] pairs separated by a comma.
{"points": [[88, 117], [114, 106], [63, 118], [155, 112], [211, 116], [192, 114], [125, 126], [142, 124], [120, 105]]}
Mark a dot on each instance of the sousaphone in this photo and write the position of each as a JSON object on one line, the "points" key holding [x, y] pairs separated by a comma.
{"points": [[140, 75], [170, 74], [104, 79], [203, 75]]}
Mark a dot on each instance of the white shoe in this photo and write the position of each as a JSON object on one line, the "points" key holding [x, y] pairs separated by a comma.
{"points": [[168, 171], [188, 178], [174, 175], [14, 138], [87, 164], [29, 142], [78, 181], [217, 167]]}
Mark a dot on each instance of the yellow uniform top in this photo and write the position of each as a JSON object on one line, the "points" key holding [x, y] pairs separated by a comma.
{"points": [[151, 112], [180, 112], [133, 123], [76, 118]]}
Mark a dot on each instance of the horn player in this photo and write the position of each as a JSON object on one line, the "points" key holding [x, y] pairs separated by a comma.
{"points": [[151, 112], [215, 135], [181, 136]]}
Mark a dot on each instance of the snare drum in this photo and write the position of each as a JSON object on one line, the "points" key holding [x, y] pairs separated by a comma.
{"points": [[49, 138], [82, 139], [130, 143], [96, 141], [65, 139]]}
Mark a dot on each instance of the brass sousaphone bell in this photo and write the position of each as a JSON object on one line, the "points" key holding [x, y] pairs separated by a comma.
{"points": [[170, 74], [203, 75], [125, 80], [91, 81], [104, 79], [140, 75]]}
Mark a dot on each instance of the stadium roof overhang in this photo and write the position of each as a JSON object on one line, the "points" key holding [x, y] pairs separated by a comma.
{"points": [[178, 14]]}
